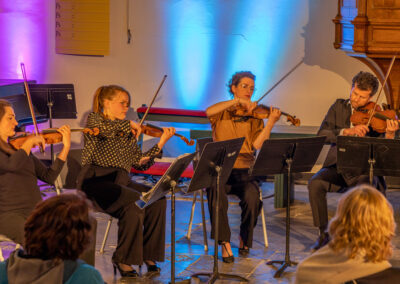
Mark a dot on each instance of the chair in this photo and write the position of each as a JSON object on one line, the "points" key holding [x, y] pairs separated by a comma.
{"points": [[199, 148], [67, 180], [5, 239]]}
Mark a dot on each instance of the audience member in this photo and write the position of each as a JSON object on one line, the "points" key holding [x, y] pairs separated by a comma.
{"points": [[56, 233], [361, 231]]}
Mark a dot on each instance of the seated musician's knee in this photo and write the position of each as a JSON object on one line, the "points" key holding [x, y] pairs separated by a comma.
{"points": [[316, 186], [252, 196]]}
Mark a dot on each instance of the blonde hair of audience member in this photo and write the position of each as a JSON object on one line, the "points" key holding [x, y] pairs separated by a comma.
{"points": [[363, 224]]}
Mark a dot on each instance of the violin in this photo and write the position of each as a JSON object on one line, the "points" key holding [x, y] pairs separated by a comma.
{"points": [[262, 112], [371, 114], [156, 131], [51, 136], [378, 120]]}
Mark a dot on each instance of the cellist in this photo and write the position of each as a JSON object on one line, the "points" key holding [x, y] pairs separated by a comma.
{"points": [[337, 122]]}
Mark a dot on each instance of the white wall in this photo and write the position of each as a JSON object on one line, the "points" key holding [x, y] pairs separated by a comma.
{"points": [[324, 76]]}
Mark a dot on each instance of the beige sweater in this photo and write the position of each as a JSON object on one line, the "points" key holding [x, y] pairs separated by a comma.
{"points": [[326, 266]]}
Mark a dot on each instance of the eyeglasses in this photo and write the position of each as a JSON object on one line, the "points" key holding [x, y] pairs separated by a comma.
{"points": [[245, 86]]}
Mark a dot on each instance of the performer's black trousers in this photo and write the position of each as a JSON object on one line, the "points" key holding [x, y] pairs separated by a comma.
{"points": [[246, 188], [141, 232], [329, 180]]}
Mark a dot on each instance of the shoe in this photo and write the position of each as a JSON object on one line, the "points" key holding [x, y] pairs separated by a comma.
{"points": [[227, 259], [244, 251], [152, 270], [322, 240], [126, 274]]}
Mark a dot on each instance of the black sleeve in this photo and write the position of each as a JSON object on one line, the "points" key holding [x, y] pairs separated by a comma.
{"points": [[329, 127], [47, 174], [14, 162], [152, 152]]}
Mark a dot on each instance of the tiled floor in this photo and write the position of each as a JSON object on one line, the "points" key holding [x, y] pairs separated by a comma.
{"points": [[191, 257]]}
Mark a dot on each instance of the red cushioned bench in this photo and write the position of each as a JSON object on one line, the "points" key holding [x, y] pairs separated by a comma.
{"points": [[171, 115], [174, 115], [159, 168]]}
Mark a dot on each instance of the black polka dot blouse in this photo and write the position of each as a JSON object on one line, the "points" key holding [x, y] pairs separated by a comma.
{"points": [[115, 146]]}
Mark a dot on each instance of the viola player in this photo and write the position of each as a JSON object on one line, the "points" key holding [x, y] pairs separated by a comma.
{"points": [[337, 122], [107, 159], [225, 125], [19, 174]]}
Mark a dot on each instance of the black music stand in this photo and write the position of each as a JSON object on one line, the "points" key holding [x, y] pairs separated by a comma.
{"points": [[55, 100], [281, 156], [375, 156], [165, 185], [213, 168]]}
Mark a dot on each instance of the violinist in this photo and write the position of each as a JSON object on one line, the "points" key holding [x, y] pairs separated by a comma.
{"points": [[226, 125], [107, 160], [19, 174], [337, 122]]}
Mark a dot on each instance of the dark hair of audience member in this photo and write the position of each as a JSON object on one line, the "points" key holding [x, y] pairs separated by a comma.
{"points": [[58, 228]]}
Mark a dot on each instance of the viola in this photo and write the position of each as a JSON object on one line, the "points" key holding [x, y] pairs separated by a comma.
{"points": [[156, 131], [262, 112], [378, 120], [51, 136]]}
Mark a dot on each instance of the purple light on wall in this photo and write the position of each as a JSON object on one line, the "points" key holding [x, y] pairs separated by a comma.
{"points": [[23, 37]]}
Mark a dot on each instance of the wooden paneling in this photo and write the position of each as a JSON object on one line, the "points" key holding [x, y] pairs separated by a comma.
{"points": [[369, 30], [82, 27]]}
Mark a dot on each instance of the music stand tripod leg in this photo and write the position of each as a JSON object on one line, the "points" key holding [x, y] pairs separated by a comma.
{"points": [[287, 262], [173, 279]]}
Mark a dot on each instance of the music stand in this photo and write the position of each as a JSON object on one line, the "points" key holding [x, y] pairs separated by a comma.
{"points": [[55, 100], [279, 156], [375, 156], [165, 185], [213, 168]]}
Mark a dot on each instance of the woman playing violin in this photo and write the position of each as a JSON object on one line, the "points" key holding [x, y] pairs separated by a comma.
{"points": [[337, 122], [107, 160], [226, 125], [19, 172]]}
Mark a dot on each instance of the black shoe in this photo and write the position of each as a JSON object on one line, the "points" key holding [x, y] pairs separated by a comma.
{"points": [[152, 270], [244, 251], [228, 259], [126, 274], [322, 240]]}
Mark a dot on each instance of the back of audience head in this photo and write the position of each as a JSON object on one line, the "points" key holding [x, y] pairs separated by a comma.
{"points": [[363, 224], [58, 228]]}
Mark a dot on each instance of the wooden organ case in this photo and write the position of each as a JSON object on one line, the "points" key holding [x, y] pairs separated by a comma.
{"points": [[369, 30]]}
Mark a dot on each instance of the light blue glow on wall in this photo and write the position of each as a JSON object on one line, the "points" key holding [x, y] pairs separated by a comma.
{"points": [[207, 41], [189, 49]]}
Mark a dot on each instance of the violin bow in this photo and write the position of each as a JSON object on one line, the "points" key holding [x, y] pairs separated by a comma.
{"points": [[152, 101], [277, 83], [380, 91], [28, 96]]}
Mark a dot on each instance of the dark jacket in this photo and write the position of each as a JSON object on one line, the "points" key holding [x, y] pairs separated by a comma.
{"points": [[19, 173], [21, 269], [387, 276], [337, 118]]}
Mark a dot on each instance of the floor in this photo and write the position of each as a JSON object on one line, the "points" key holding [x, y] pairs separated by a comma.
{"points": [[191, 257]]}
